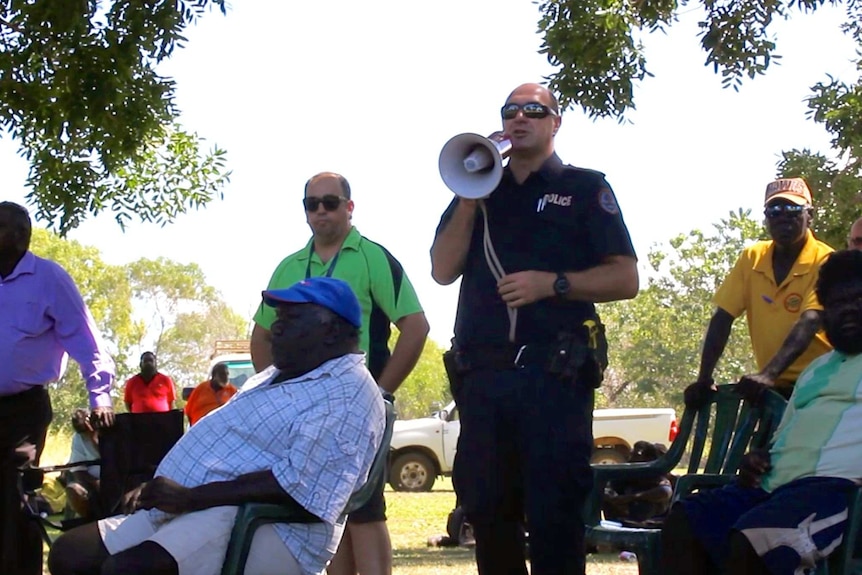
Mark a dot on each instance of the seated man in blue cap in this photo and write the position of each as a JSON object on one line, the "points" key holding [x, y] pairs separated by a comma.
{"points": [[306, 429]]}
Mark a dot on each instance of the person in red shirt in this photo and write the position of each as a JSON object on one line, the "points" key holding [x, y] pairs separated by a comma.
{"points": [[211, 394], [150, 390]]}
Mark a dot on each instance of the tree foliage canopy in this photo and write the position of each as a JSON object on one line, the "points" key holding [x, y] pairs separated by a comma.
{"points": [[655, 339], [596, 48], [80, 93], [179, 311]]}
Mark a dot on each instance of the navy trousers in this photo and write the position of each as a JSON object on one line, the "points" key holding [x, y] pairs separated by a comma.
{"points": [[523, 462]]}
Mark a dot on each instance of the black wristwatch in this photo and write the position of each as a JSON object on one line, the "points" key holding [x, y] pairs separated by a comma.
{"points": [[561, 285]]}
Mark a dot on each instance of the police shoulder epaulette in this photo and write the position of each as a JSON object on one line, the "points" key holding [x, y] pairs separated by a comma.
{"points": [[583, 171]]}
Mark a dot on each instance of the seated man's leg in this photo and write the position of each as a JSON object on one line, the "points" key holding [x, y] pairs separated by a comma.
{"points": [[696, 533], [743, 557], [799, 524], [681, 552], [117, 545], [268, 554], [79, 551]]}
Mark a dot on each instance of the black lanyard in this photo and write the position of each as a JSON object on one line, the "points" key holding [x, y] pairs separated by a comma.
{"points": [[331, 263]]}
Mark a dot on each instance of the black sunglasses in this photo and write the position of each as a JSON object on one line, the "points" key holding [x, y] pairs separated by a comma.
{"points": [[330, 203], [779, 210], [855, 241], [532, 110]]}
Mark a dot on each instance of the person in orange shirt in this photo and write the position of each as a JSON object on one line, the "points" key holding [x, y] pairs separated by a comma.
{"points": [[209, 395], [149, 391]]}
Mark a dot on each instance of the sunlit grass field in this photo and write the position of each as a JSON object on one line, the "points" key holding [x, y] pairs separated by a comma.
{"points": [[413, 518]]}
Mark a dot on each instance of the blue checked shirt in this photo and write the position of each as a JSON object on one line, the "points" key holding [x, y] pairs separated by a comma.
{"points": [[317, 433]]}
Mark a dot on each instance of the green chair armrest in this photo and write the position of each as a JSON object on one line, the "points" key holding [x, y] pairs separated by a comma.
{"points": [[687, 484], [250, 516]]}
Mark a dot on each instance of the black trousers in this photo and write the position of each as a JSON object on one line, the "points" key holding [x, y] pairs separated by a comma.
{"points": [[24, 420], [523, 457]]}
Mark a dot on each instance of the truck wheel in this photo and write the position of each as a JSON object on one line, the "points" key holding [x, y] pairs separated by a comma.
{"points": [[412, 472], [607, 455]]}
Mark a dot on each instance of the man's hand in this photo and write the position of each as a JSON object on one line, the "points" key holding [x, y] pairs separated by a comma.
{"points": [[754, 464], [522, 288], [753, 386], [699, 393], [167, 495], [130, 500], [470, 205], [102, 417]]}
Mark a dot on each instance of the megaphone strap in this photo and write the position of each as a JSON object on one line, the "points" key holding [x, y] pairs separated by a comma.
{"points": [[496, 267]]}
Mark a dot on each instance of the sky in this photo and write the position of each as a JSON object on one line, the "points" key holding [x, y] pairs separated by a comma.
{"points": [[373, 90]]}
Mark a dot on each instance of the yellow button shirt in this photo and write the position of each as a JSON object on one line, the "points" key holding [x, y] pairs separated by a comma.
{"points": [[771, 310]]}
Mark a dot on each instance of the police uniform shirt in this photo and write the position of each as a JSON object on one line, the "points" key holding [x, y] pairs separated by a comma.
{"points": [[560, 219]]}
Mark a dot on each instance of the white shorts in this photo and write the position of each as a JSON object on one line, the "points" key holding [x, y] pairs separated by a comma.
{"points": [[198, 541]]}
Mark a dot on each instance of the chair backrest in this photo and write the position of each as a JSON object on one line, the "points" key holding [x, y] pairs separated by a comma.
{"points": [[252, 515], [131, 451], [377, 473], [716, 436]]}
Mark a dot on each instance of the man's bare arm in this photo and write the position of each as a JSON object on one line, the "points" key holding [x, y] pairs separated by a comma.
{"points": [[171, 497], [414, 329], [449, 251], [717, 334], [616, 278], [795, 343], [261, 352]]}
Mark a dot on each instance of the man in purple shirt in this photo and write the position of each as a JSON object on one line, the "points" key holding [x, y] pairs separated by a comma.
{"points": [[42, 319]]}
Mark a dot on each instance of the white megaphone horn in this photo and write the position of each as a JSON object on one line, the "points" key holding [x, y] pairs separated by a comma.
{"points": [[472, 165]]}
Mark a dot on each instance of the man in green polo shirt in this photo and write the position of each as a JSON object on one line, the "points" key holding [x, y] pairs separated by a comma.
{"points": [[336, 249]]}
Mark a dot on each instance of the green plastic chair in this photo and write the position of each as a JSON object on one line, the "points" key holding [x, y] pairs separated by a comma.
{"points": [[715, 437], [845, 560], [253, 515]]}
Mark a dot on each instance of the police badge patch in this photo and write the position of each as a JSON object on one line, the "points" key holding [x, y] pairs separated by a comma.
{"points": [[608, 202]]}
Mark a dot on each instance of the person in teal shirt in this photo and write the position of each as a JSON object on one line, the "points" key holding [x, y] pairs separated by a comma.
{"points": [[788, 507]]}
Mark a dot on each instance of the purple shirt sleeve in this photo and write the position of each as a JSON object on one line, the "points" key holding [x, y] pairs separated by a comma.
{"points": [[43, 318], [76, 332]]}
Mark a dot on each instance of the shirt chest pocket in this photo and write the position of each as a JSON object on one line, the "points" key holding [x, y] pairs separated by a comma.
{"points": [[28, 317]]}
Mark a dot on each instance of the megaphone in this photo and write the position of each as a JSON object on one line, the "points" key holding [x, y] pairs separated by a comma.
{"points": [[472, 165]]}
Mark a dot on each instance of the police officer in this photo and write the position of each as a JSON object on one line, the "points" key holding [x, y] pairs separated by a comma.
{"points": [[528, 348]]}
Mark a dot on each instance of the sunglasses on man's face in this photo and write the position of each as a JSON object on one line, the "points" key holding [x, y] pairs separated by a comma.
{"points": [[779, 210], [330, 202], [855, 241], [532, 110]]}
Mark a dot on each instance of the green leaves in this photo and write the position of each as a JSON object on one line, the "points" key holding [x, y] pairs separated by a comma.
{"points": [[79, 92], [146, 301], [425, 385], [655, 339], [595, 46]]}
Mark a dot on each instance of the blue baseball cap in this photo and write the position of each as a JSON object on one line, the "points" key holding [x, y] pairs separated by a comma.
{"points": [[333, 294]]}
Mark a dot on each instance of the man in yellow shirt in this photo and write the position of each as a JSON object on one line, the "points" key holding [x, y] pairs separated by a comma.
{"points": [[773, 284]]}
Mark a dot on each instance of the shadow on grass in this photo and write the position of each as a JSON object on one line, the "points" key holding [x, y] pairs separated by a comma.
{"points": [[458, 556], [432, 556]]}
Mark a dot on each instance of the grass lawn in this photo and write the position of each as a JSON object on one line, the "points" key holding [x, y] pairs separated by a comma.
{"points": [[413, 517]]}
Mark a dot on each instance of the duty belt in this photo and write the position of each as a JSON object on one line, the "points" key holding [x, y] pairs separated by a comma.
{"points": [[505, 356]]}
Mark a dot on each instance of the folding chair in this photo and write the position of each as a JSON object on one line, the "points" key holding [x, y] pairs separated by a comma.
{"points": [[130, 452], [723, 431], [253, 515]]}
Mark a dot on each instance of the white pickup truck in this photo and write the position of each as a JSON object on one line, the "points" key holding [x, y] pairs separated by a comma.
{"points": [[424, 448]]}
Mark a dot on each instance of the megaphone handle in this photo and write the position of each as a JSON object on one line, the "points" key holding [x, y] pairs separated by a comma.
{"points": [[496, 268]]}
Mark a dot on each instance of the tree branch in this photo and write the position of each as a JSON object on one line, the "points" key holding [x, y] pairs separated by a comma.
{"points": [[11, 26]]}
